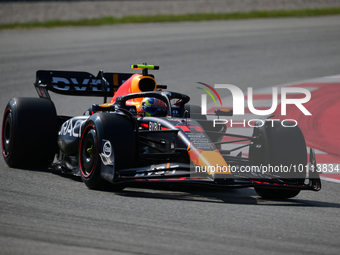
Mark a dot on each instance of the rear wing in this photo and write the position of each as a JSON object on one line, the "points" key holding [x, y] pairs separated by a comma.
{"points": [[79, 83]]}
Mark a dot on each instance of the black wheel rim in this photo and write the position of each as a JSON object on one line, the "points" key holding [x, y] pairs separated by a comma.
{"points": [[88, 152], [7, 134]]}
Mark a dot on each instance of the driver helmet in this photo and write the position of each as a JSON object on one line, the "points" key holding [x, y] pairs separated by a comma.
{"points": [[152, 107]]}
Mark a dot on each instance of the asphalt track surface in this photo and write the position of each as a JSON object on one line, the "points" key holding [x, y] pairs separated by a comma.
{"points": [[44, 212]]}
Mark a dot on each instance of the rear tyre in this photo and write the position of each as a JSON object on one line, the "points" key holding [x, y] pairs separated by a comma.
{"points": [[281, 146], [119, 131], [29, 133]]}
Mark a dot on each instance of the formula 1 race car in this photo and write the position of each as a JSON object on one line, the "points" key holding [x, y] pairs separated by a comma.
{"points": [[146, 134]]}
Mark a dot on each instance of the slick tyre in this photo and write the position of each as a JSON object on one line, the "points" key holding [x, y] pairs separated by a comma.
{"points": [[119, 131], [195, 112], [276, 193], [286, 147], [29, 132], [88, 157]]}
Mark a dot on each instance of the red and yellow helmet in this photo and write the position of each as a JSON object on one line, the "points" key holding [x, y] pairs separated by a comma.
{"points": [[152, 107]]}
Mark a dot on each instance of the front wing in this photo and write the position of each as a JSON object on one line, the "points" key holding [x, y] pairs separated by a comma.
{"points": [[179, 173]]}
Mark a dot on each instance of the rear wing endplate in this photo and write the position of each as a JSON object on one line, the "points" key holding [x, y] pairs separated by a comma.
{"points": [[78, 83]]}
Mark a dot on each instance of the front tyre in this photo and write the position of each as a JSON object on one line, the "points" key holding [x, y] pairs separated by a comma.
{"points": [[88, 157], [281, 147], [276, 193], [114, 132], [194, 112]]}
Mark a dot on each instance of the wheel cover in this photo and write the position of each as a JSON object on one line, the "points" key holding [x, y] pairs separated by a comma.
{"points": [[7, 133], [88, 151]]}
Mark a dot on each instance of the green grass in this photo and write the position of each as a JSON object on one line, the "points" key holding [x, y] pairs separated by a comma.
{"points": [[174, 18]]}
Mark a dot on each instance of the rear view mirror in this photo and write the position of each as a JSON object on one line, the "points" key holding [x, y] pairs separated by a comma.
{"points": [[224, 112]]}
